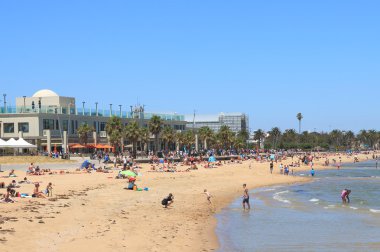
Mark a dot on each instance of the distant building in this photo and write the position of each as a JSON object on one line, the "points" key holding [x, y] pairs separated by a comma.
{"points": [[235, 121], [47, 120]]}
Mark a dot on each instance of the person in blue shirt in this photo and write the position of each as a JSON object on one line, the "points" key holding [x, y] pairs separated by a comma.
{"points": [[312, 172]]}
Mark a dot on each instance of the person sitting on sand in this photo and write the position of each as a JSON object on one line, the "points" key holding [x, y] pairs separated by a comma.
{"points": [[31, 168], [12, 174], [7, 197], [345, 196], [36, 192], [168, 200]]}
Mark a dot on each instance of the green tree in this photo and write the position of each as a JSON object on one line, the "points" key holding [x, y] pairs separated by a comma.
{"points": [[144, 138], [155, 127], [132, 133], [275, 136], [83, 131], [299, 118], [259, 136], [168, 136], [114, 129], [205, 134], [225, 135], [189, 139]]}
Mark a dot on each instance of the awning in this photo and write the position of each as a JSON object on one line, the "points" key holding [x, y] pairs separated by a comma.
{"points": [[77, 146]]}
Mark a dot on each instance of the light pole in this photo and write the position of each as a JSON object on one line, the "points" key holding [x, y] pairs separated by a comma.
{"points": [[110, 109], [96, 108], [83, 107], [5, 103], [24, 110]]}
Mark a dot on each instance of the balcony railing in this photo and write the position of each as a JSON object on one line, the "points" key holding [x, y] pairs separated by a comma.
{"points": [[87, 112]]}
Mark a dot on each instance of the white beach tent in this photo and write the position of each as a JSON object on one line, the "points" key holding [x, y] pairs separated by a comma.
{"points": [[21, 143], [2, 143], [11, 143]]}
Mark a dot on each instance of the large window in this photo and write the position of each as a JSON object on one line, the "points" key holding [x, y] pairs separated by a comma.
{"points": [[48, 124], [103, 126], [65, 125], [9, 128], [24, 127]]}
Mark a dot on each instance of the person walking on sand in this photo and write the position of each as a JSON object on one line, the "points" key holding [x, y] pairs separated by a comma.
{"points": [[271, 167], [246, 198]]}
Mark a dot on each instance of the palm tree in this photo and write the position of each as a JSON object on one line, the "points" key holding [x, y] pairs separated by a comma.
{"points": [[349, 138], [132, 133], [225, 135], [205, 134], [83, 132], [275, 134], [144, 137], [179, 138], [299, 118], [259, 135], [189, 139], [114, 129], [155, 127], [336, 137], [168, 135]]}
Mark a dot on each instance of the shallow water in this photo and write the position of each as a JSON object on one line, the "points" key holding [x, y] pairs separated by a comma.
{"points": [[308, 217]]}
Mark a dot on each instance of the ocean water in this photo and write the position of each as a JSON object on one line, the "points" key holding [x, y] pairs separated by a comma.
{"points": [[308, 217]]}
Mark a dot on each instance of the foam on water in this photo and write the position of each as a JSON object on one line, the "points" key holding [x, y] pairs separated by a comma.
{"points": [[314, 200], [277, 196], [374, 210]]}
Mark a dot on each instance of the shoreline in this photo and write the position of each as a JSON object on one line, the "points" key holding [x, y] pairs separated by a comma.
{"points": [[94, 212], [300, 169]]}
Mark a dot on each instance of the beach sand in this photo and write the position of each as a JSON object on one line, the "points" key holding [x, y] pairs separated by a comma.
{"points": [[92, 212]]}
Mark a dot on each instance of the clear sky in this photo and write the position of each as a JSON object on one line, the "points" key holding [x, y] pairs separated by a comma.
{"points": [[270, 59]]}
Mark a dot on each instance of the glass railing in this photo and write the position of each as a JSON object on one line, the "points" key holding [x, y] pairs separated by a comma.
{"points": [[88, 112]]}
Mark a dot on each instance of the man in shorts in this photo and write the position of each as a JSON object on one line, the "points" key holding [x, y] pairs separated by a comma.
{"points": [[246, 198]]}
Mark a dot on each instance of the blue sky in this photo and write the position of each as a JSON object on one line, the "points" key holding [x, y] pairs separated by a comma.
{"points": [[270, 59]]}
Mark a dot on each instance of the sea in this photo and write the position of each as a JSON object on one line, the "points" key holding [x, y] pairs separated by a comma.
{"points": [[309, 216]]}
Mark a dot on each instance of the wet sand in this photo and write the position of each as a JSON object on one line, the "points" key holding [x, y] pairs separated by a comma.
{"points": [[94, 212]]}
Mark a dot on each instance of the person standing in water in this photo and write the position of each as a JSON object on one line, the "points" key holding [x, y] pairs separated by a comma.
{"points": [[246, 198], [345, 196], [312, 172]]}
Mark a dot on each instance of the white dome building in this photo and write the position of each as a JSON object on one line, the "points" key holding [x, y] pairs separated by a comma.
{"points": [[45, 93]]}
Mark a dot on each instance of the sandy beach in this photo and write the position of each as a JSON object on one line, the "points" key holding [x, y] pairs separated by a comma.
{"points": [[94, 212]]}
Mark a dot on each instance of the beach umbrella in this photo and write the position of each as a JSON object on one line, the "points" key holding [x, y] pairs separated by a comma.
{"points": [[128, 173]]}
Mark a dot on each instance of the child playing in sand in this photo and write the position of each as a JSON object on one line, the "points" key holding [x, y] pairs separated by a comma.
{"points": [[168, 200], [49, 190], [208, 196]]}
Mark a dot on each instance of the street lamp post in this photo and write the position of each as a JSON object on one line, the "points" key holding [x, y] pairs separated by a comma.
{"points": [[5, 103], [24, 110], [83, 107], [96, 108], [110, 109], [120, 111]]}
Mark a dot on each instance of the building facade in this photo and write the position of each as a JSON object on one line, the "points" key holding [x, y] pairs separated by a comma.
{"points": [[235, 121], [47, 120]]}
